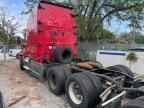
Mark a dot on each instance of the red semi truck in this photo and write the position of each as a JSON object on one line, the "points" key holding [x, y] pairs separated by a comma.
{"points": [[49, 54], [51, 34]]}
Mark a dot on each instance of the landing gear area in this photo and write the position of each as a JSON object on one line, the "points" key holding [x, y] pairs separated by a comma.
{"points": [[87, 87]]}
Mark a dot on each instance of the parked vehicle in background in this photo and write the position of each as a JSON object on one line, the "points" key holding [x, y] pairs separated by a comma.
{"points": [[6, 49], [14, 53]]}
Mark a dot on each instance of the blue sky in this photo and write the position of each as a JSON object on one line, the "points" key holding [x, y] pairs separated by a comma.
{"points": [[17, 6], [117, 27]]}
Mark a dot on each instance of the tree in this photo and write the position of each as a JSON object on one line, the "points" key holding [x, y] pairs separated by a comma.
{"points": [[2, 37], [93, 13], [133, 36], [13, 41], [106, 34], [8, 26], [139, 39]]}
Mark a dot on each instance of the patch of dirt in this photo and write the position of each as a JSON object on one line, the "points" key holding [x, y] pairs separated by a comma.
{"points": [[15, 83]]}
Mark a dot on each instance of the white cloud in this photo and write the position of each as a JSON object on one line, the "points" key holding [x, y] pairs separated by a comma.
{"points": [[23, 22]]}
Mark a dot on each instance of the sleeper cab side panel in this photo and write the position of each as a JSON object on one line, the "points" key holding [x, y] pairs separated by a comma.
{"points": [[57, 25]]}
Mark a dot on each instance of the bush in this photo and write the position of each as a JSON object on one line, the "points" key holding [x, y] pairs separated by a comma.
{"points": [[132, 57]]}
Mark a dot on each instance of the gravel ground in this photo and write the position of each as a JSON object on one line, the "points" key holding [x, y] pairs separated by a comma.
{"points": [[16, 84]]}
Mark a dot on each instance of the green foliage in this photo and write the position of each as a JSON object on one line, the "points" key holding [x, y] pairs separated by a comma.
{"points": [[124, 35], [12, 41], [137, 37], [132, 57], [8, 26], [83, 34], [3, 37], [106, 34], [92, 14], [95, 12]]}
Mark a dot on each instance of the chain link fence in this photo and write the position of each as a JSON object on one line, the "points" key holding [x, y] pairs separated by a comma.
{"points": [[85, 50], [88, 50], [4, 52]]}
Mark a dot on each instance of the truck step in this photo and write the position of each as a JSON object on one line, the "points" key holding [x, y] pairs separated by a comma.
{"points": [[31, 70], [27, 68]]}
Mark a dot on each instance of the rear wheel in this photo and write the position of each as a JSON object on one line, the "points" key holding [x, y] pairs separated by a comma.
{"points": [[120, 68], [57, 77], [129, 72], [66, 70], [80, 91], [95, 82], [56, 80]]}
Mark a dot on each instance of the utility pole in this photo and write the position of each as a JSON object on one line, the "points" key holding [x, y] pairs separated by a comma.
{"points": [[133, 37]]}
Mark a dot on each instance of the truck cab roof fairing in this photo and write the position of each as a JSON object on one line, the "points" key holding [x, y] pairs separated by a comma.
{"points": [[61, 5]]}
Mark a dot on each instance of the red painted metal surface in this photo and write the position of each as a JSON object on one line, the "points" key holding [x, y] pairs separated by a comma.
{"points": [[49, 26]]}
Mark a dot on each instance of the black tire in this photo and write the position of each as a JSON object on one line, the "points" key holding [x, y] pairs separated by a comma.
{"points": [[96, 83], [128, 81], [21, 63], [129, 72], [56, 80], [86, 88], [66, 70], [63, 55]]}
